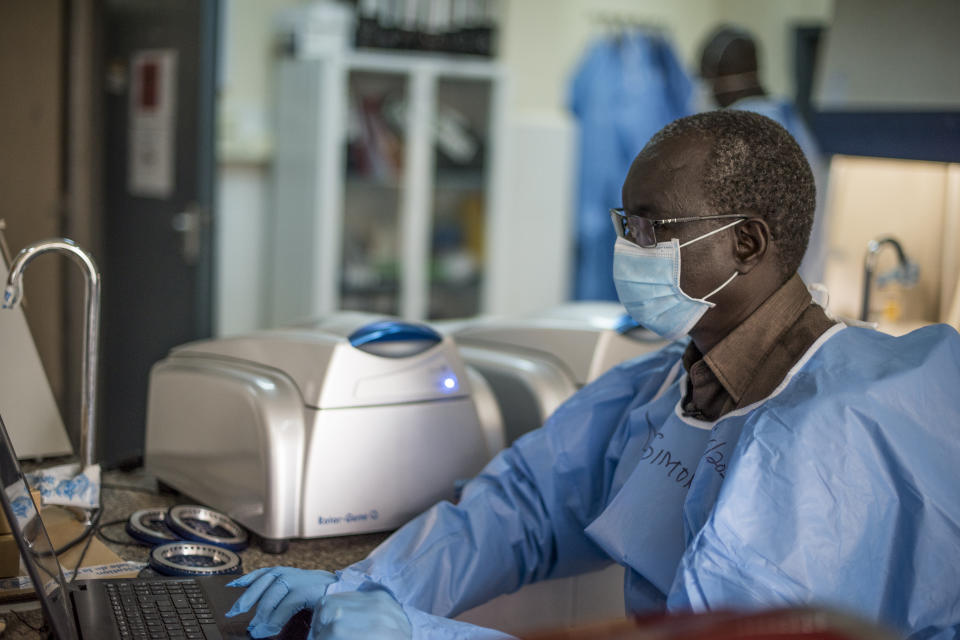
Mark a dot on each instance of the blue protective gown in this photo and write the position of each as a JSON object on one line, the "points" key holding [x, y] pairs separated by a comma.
{"points": [[815, 259], [623, 91], [840, 489]]}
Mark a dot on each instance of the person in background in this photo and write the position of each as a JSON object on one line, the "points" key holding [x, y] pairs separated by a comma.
{"points": [[768, 457], [729, 66]]}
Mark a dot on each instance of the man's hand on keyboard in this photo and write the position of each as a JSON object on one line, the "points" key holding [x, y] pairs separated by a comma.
{"points": [[278, 592]]}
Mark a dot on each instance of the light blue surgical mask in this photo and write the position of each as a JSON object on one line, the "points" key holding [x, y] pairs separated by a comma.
{"points": [[648, 285]]}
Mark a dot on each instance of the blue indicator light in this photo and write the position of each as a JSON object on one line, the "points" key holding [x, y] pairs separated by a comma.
{"points": [[449, 383]]}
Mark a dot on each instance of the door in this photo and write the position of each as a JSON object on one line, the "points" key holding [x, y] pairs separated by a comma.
{"points": [[159, 80]]}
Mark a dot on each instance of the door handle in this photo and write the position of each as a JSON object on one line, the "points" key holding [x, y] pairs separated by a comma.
{"points": [[189, 224]]}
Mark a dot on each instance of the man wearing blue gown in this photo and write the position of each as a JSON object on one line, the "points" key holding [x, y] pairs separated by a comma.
{"points": [[769, 456]]}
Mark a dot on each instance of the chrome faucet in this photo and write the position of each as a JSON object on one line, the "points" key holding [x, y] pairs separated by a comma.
{"points": [[14, 293], [907, 272]]}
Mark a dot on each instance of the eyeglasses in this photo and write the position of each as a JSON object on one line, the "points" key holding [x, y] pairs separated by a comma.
{"points": [[642, 231]]}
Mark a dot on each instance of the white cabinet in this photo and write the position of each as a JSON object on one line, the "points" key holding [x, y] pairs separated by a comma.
{"points": [[387, 179]]}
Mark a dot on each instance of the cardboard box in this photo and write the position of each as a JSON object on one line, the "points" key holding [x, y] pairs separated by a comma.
{"points": [[9, 556], [63, 525], [5, 526]]}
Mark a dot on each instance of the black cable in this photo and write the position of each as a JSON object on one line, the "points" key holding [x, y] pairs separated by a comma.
{"points": [[87, 532], [126, 543]]}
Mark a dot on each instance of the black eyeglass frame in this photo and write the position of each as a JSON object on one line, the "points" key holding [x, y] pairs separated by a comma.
{"points": [[619, 218]]}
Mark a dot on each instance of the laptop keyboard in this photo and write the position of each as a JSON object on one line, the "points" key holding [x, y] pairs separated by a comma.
{"points": [[156, 609]]}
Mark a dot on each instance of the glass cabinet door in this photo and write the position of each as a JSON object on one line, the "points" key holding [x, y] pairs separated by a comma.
{"points": [[370, 270], [382, 176], [461, 136]]}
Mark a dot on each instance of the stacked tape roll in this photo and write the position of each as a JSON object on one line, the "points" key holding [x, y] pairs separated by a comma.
{"points": [[149, 527], [193, 559], [186, 522], [200, 524]]}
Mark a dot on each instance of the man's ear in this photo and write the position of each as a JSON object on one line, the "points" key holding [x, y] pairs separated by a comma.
{"points": [[752, 242]]}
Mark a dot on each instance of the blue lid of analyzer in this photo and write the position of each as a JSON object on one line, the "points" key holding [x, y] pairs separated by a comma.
{"points": [[394, 338]]}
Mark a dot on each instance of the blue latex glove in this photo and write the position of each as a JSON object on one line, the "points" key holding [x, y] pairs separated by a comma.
{"points": [[360, 614], [280, 592]]}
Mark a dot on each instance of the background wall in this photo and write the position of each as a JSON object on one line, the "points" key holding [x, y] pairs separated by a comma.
{"points": [[542, 40], [244, 147], [31, 46], [246, 88], [888, 54], [540, 44]]}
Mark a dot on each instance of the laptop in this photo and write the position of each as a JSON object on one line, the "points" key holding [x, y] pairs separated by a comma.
{"points": [[121, 609]]}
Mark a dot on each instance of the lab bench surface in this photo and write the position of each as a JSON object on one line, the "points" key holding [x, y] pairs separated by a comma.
{"points": [[126, 492]]}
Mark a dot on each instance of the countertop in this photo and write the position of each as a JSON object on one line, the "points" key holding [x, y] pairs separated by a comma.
{"points": [[126, 492]]}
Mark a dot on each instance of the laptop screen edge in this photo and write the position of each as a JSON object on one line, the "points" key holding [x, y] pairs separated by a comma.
{"points": [[56, 607]]}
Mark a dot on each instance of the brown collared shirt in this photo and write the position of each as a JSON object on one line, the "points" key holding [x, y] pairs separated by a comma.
{"points": [[749, 363]]}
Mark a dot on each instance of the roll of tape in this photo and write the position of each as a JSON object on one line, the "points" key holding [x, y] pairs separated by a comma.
{"points": [[193, 559], [149, 527], [200, 524]]}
